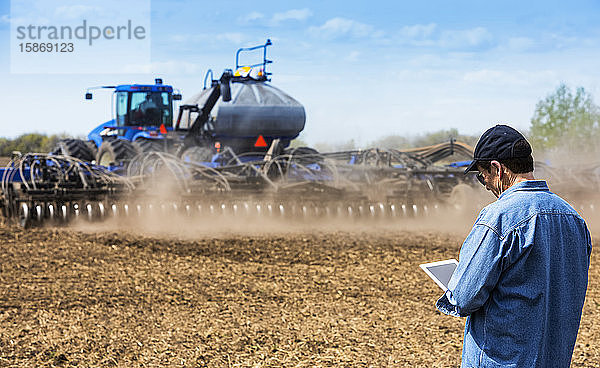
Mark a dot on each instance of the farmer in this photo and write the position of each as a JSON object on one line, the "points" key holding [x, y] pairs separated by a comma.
{"points": [[523, 270]]}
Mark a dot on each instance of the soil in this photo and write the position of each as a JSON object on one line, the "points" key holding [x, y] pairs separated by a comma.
{"points": [[100, 298]]}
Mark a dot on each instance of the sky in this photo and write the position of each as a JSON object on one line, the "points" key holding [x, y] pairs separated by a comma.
{"points": [[362, 69]]}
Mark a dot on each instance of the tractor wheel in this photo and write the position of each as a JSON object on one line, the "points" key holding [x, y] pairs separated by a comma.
{"points": [[115, 152], [78, 148], [465, 199], [197, 154], [304, 155], [144, 145]]}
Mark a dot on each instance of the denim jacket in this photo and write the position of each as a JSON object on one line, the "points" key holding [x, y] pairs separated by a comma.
{"points": [[521, 280]]}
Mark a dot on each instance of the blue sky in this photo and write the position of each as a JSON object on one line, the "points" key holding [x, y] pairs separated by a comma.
{"points": [[363, 70]]}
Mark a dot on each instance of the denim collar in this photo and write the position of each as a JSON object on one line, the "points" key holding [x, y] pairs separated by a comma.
{"points": [[527, 185]]}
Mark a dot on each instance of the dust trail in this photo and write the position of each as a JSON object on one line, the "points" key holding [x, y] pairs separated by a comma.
{"points": [[573, 172], [457, 219], [576, 185]]}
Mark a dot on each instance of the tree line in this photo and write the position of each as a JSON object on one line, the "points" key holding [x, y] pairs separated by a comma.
{"points": [[564, 120], [396, 141], [30, 142]]}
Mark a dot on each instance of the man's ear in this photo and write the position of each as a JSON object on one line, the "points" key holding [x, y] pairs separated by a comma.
{"points": [[497, 165]]}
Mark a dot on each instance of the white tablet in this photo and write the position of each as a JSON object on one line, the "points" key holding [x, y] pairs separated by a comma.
{"points": [[440, 271]]}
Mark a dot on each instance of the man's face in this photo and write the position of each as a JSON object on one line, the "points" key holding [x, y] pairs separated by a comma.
{"points": [[490, 177]]}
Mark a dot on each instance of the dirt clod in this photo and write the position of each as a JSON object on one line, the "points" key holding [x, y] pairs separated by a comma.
{"points": [[328, 299]]}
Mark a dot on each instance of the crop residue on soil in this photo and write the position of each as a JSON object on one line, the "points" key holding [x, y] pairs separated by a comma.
{"points": [[328, 299]]}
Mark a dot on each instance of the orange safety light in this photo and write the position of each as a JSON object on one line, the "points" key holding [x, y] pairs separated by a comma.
{"points": [[163, 129], [218, 146], [260, 142]]}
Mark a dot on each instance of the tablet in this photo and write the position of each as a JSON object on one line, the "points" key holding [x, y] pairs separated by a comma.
{"points": [[440, 271]]}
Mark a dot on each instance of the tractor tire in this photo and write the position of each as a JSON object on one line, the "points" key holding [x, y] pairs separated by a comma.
{"points": [[144, 145], [115, 152], [304, 155], [466, 200], [198, 154], [78, 148]]}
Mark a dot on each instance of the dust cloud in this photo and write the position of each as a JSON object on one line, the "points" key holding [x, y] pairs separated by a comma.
{"points": [[569, 175], [573, 173], [168, 221]]}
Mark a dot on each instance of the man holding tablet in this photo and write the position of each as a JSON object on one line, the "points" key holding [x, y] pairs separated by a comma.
{"points": [[522, 273]]}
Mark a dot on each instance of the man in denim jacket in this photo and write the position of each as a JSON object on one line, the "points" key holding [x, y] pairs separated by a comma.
{"points": [[522, 274]]}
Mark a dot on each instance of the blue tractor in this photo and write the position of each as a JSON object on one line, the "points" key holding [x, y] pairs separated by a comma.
{"points": [[239, 114], [143, 117]]}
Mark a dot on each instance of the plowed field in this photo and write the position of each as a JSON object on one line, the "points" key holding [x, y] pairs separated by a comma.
{"points": [[297, 299]]}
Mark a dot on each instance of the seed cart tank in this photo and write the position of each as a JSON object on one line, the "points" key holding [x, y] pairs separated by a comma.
{"points": [[249, 113]]}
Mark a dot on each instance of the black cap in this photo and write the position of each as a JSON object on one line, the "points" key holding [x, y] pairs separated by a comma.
{"points": [[498, 143]]}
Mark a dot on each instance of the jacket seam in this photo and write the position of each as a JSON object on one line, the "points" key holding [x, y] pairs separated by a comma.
{"points": [[502, 236], [494, 230], [520, 223]]}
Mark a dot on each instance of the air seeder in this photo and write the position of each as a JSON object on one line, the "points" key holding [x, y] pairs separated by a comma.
{"points": [[240, 111], [226, 154]]}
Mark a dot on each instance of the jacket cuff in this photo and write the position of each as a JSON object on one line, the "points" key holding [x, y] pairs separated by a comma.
{"points": [[443, 305]]}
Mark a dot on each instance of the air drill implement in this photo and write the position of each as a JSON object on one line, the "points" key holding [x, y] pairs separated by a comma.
{"points": [[361, 184], [226, 154]]}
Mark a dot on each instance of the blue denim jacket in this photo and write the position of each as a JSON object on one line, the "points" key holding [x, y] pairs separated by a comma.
{"points": [[521, 280]]}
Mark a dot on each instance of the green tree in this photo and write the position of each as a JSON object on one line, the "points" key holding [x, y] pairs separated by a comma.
{"points": [[426, 139], [442, 136], [298, 143], [565, 119], [335, 146], [391, 141], [30, 142]]}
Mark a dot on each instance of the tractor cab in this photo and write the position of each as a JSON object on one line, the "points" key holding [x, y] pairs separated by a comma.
{"points": [[144, 105], [141, 111]]}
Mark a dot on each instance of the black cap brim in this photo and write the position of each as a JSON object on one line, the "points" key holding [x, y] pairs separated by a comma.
{"points": [[471, 167]]}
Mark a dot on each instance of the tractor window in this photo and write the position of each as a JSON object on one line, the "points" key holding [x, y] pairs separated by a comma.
{"points": [[121, 108], [151, 109]]}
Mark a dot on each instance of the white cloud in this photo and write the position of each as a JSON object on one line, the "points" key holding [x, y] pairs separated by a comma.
{"points": [[136, 68], [353, 56], [424, 74], [176, 67], [168, 67], [416, 35], [520, 43], [519, 78], [560, 41], [293, 14], [76, 11], [465, 39], [181, 38], [251, 17], [342, 27], [233, 37], [23, 19], [418, 31], [430, 35]]}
